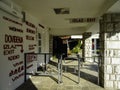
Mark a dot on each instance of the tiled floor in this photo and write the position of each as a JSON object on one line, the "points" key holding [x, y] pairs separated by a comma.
{"points": [[88, 81]]}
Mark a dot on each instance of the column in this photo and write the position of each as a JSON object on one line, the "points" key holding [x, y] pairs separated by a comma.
{"points": [[87, 46], [51, 43], [109, 66]]}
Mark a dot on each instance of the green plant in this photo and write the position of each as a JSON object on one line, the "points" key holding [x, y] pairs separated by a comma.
{"points": [[77, 48]]}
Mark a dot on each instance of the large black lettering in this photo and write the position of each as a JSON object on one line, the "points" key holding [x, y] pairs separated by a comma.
{"points": [[13, 39]]}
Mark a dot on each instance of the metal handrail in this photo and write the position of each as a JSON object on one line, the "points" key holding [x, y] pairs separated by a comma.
{"points": [[59, 66]]}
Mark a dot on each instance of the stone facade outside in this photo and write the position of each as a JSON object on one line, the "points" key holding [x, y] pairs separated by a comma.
{"points": [[109, 67], [87, 46]]}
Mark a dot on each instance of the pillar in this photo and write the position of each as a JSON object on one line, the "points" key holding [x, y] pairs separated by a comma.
{"points": [[109, 67], [87, 46], [51, 43]]}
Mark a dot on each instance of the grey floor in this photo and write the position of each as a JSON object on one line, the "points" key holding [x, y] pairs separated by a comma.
{"points": [[88, 80]]}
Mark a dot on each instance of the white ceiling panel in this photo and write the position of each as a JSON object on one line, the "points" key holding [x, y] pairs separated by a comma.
{"points": [[44, 10]]}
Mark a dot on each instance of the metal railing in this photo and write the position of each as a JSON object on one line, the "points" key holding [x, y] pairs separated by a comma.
{"points": [[75, 62], [45, 59]]}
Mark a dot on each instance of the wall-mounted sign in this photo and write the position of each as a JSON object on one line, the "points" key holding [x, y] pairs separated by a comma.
{"points": [[14, 57], [30, 31], [18, 63], [29, 37], [30, 24], [13, 39], [82, 20], [10, 20], [15, 29], [16, 71]]}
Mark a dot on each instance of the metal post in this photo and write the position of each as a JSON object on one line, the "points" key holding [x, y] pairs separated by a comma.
{"points": [[61, 69], [74, 69], [78, 69], [25, 76], [45, 62], [99, 65], [58, 71], [65, 68], [95, 46]]}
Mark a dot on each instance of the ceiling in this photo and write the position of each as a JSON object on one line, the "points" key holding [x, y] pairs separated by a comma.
{"points": [[60, 23], [114, 8]]}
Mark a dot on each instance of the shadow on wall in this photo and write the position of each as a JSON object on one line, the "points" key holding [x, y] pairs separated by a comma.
{"points": [[27, 86]]}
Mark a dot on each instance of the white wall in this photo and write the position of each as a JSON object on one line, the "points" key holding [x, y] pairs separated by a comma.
{"points": [[6, 65], [46, 41]]}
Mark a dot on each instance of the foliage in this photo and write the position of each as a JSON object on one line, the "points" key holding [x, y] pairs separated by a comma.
{"points": [[77, 48]]}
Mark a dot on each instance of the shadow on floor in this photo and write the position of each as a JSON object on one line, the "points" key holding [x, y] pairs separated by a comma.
{"points": [[70, 79], [89, 77], [86, 76], [92, 67], [28, 85]]}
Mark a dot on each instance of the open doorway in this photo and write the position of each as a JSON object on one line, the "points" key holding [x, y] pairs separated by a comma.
{"points": [[59, 47], [66, 45], [89, 71]]}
